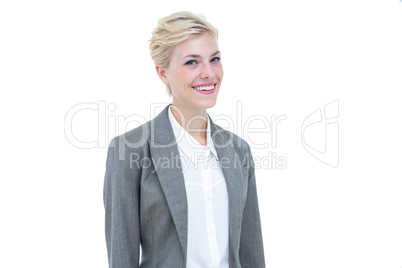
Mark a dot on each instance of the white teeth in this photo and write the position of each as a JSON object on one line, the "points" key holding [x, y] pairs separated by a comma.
{"points": [[204, 88]]}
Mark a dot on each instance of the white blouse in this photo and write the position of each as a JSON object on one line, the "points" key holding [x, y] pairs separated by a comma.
{"points": [[207, 200]]}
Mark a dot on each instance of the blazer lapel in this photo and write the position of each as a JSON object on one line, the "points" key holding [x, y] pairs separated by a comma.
{"points": [[166, 158], [232, 172]]}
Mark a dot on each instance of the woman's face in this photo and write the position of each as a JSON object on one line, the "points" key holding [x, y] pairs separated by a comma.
{"points": [[194, 72]]}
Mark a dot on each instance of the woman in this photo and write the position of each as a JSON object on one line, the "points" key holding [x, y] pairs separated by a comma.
{"points": [[179, 186]]}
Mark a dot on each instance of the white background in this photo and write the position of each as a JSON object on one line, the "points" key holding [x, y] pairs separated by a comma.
{"points": [[279, 57]]}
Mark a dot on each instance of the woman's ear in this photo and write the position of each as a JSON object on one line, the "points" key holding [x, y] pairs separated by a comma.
{"points": [[161, 73]]}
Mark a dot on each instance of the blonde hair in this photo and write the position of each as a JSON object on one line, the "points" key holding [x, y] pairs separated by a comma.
{"points": [[174, 29]]}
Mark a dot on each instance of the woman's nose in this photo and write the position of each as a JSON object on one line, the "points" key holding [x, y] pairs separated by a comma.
{"points": [[207, 71]]}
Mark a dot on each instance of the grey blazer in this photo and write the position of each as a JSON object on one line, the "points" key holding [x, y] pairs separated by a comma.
{"points": [[146, 205]]}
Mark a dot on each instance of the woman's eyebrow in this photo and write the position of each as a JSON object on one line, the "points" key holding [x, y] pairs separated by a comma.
{"points": [[198, 56], [217, 52]]}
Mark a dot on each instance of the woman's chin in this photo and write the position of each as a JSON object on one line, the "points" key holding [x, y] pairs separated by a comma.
{"points": [[207, 103]]}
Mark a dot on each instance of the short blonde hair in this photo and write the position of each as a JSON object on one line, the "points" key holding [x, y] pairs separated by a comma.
{"points": [[174, 29]]}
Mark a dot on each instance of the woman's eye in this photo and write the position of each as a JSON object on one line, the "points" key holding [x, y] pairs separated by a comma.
{"points": [[216, 59], [191, 62]]}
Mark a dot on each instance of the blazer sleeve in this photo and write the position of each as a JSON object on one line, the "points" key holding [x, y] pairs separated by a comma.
{"points": [[251, 252], [121, 201]]}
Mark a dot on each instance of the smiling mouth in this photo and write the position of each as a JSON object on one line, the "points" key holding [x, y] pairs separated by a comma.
{"points": [[205, 88]]}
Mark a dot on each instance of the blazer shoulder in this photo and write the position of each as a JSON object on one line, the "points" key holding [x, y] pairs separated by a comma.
{"points": [[136, 138], [238, 142]]}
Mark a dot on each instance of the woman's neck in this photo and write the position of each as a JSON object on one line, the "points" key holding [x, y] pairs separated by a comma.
{"points": [[194, 121]]}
